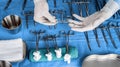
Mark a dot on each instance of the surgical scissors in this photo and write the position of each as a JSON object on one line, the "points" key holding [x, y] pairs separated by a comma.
{"points": [[67, 34], [96, 36], [115, 29], [46, 43], [55, 41], [88, 42], [38, 36], [103, 33], [109, 33], [27, 14]]}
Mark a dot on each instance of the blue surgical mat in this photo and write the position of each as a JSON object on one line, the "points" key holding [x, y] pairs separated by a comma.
{"points": [[64, 10]]}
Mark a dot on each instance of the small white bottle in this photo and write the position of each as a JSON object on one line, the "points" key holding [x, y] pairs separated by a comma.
{"points": [[49, 56], [37, 56], [58, 53], [67, 58]]}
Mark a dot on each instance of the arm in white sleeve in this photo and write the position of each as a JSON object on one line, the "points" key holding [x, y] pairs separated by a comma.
{"points": [[94, 20]]}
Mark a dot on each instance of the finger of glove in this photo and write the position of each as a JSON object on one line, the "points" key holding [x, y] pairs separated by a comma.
{"points": [[74, 25], [78, 17], [71, 24], [50, 18], [46, 22], [74, 22], [82, 29]]}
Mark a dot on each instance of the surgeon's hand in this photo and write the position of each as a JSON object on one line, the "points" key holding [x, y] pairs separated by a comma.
{"points": [[94, 20], [85, 24], [41, 13]]}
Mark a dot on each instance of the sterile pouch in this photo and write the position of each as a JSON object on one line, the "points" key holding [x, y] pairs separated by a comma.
{"points": [[12, 50]]}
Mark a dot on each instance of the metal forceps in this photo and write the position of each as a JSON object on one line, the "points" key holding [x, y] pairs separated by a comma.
{"points": [[69, 2], [103, 33], [87, 39], [85, 33], [24, 4], [38, 36], [67, 34], [96, 36], [27, 14], [94, 31], [86, 7], [115, 29], [109, 33], [46, 43], [55, 5], [55, 41], [7, 5]]}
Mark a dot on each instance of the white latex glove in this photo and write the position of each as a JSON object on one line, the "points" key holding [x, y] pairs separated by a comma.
{"points": [[58, 53], [41, 13], [67, 58], [12, 50], [49, 56], [94, 20], [37, 56]]}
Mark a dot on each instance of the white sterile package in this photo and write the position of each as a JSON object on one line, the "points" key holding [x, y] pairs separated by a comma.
{"points": [[12, 50], [110, 60]]}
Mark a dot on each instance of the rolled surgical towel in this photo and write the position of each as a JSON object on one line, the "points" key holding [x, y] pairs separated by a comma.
{"points": [[12, 50]]}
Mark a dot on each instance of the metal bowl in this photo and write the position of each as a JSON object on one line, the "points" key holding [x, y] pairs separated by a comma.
{"points": [[5, 64], [12, 23], [110, 60]]}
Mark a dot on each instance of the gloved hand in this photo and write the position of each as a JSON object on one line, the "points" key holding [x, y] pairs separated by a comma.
{"points": [[94, 20], [41, 13]]}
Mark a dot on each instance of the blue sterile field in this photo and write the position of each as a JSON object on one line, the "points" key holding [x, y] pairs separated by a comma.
{"points": [[102, 40]]}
